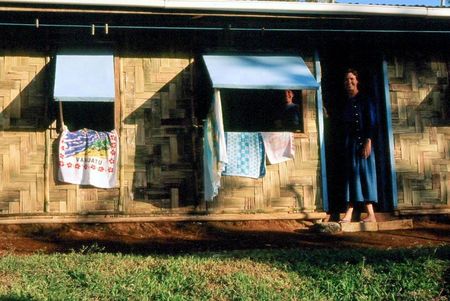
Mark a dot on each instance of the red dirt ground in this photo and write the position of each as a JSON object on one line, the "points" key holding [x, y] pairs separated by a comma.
{"points": [[186, 237]]}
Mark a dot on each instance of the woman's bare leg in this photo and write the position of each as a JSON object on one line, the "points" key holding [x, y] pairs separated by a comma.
{"points": [[371, 214], [348, 214]]}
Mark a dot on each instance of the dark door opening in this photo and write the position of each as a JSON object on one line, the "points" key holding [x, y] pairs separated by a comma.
{"points": [[369, 65]]}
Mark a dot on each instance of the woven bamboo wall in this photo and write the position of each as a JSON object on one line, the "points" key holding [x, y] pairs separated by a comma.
{"points": [[157, 144], [157, 169], [22, 144], [290, 186], [419, 88], [156, 134]]}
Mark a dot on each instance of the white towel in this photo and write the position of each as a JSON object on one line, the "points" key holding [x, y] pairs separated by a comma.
{"points": [[214, 149], [279, 146]]}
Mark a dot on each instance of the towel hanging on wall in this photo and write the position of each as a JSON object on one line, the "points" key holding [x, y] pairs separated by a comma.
{"points": [[246, 156], [279, 146], [88, 157]]}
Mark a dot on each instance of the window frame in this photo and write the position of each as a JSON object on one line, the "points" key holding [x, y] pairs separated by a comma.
{"points": [[301, 100], [117, 110]]}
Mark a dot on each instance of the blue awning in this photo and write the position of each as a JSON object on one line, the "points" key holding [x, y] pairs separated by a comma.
{"points": [[84, 78], [259, 72]]}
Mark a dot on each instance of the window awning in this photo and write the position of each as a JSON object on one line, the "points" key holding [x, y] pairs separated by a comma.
{"points": [[84, 78], [259, 72]]}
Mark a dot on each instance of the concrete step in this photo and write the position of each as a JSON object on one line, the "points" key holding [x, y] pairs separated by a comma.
{"points": [[380, 216], [398, 224]]}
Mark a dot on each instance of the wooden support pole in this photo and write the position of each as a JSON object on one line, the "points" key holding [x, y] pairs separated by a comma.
{"points": [[61, 115], [194, 134], [118, 110], [47, 158]]}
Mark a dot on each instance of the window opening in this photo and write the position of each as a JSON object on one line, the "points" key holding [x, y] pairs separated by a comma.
{"points": [[262, 110], [98, 116], [84, 90]]}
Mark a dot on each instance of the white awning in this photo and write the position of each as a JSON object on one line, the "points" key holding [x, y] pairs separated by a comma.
{"points": [[84, 78], [259, 72]]}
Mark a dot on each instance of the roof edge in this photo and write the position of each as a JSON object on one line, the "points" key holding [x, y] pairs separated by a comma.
{"points": [[272, 7]]}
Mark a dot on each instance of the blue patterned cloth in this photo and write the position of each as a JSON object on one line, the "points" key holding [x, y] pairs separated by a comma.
{"points": [[246, 155]]}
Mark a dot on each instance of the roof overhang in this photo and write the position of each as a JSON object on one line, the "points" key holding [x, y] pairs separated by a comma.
{"points": [[266, 7]]}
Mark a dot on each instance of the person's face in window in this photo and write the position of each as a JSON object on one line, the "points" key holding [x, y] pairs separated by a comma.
{"points": [[351, 84], [289, 96]]}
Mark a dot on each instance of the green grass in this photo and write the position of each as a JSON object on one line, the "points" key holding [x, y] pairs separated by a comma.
{"points": [[292, 274]]}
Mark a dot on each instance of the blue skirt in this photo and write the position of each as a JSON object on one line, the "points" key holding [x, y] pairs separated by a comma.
{"points": [[361, 175]]}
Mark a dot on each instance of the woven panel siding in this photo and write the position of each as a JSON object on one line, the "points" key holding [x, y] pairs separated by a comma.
{"points": [[22, 146], [156, 134], [421, 125]]}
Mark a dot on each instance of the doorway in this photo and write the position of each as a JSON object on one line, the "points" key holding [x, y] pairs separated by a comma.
{"points": [[369, 65]]}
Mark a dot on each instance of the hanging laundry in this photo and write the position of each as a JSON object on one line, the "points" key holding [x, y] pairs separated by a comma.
{"points": [[279, 146], [246, 156], [214, 149], [89, 157]]}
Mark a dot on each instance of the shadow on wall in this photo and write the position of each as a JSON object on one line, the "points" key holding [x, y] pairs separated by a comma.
{"points": [[434, 108], [421, 83], [420, 111], [24, 103], [25, 94], [161, 147], [27, 111], [161, 142]]}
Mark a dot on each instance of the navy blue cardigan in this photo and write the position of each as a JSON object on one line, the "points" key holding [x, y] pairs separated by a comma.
{"points": [[359, 117]]}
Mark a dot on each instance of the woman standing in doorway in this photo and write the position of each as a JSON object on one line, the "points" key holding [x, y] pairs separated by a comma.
{"points": [[360, 171]]}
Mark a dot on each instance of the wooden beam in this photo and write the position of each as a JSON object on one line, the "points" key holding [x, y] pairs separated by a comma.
{"points": [[47, 156], [118, 94], [395, 225], [47, 165], [422, 211], [169, 218], [119, 106]]}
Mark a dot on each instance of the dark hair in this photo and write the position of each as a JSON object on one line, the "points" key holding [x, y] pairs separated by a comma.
{"points": [[292, 91], [353, 71]]}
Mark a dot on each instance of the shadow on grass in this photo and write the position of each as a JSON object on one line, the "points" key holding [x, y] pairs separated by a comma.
{"points": [[14, 297], [446, 279], [341, 259], [192, 237]]}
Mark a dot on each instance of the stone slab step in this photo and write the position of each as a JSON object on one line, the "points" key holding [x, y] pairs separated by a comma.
{"points": [[399, 224], [380, 216]]}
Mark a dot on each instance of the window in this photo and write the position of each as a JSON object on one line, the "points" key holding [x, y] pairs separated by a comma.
{"points": [[84, 88], [261, 110], [260, 93], [97, 116], [84, 91]]}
